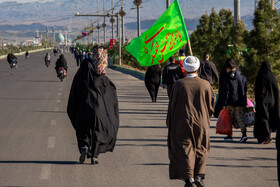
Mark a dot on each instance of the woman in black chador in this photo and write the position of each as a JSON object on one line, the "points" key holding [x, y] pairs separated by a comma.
{"points": [[267, 104], [152, 81], [93, 107]]}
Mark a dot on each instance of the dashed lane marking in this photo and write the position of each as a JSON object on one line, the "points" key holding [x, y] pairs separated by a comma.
{"points": [[46, 172], [53, 122], [51, 142]]}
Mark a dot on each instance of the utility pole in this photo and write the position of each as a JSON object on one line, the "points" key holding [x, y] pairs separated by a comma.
{"points": [[167, 3], [66, 38], [53, 35], [138, 3], [236, 11], [112, 20], [122, 14], [47, 34], [272, 3], [108, 15], [119, 36], [98, 26], [104, 24]]}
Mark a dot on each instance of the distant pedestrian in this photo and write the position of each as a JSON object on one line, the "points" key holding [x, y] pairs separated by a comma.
{"points": [[208, 70], [54, 51], [234, 98], [179, 60], [267, 104], [171, 73], [190, 108], [27, 55], [81, 56], [77, 57], [152, 81], [93, 108]]}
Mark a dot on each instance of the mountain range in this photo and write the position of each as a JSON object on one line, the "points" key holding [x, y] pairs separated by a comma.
{"points": [[26, 17]]}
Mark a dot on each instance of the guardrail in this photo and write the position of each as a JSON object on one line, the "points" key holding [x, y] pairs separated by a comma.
{"points": [[22, 53], [138, 74]]}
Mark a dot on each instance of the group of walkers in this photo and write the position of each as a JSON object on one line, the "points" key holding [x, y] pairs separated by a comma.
{"points": [[93, 107], [192, 103], [81, 55]]}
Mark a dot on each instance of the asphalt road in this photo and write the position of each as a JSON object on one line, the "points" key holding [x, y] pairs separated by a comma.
{"points": [[38, 144]]}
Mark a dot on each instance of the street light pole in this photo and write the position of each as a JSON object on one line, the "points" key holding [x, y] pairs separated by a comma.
{"points": [[53, 35], [98, 26], [236, 11], [122, 14], [119, 36], [112, 19], [167, 3], [138, 3], [104, 24]]}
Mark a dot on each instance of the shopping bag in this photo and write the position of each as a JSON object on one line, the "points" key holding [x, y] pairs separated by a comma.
{"points": [[224, 125], [249, 116]]}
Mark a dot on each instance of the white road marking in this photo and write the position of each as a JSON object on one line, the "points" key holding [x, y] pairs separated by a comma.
{"points": [[46, 172], [59, 93], [53, 122], [60, 89], [58, 101], [51, 142]]}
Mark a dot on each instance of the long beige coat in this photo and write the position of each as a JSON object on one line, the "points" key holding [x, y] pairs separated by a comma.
{"points": [[190, 108]]}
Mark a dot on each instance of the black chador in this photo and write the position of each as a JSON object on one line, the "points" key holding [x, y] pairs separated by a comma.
{"points": [[152, 81], [267, 104], [93, 111]]}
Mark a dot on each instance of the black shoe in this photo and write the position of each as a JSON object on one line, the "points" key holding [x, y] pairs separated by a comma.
{"points": [[94, 160], [199, 181], [83, 154], [189, 183], [228, 138], [243, 139]]}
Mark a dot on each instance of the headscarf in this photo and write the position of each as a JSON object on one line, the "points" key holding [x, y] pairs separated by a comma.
{"points": [[100, 60]]}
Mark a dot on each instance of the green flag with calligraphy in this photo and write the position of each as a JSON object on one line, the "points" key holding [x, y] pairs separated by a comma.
{"points": [[162, 40]]}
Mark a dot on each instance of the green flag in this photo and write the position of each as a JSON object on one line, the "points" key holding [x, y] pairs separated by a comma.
{"points": [[162, 40]]}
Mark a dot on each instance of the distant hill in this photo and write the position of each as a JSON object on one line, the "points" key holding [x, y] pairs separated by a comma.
{"points": [[28, 17], [59, 12], [191, 24], [146, 24], [32, 27]]}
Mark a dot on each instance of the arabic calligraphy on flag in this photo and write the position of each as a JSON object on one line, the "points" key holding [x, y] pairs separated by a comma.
{"points": [[162, 40]]}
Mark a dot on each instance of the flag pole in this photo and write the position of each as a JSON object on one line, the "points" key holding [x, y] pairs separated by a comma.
{"points": [[190, 47]]}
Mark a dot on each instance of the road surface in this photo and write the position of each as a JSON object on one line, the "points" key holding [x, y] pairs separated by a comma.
{"points": [[38, 144]]}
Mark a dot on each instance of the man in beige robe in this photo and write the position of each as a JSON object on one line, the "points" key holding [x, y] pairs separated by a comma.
{"points": [[190, 108]]}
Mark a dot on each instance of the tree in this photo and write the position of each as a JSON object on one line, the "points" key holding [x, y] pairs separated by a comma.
{"points": [[263, 41], [199, 39], [213, 36]]}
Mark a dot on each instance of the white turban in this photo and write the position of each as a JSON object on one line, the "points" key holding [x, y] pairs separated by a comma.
{"points": [[191, 64]]}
